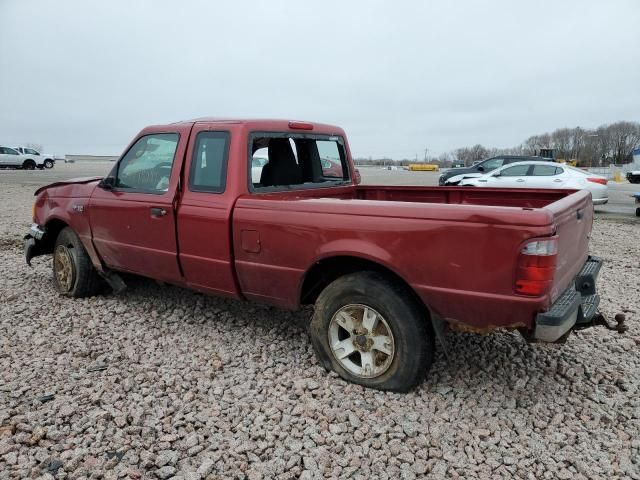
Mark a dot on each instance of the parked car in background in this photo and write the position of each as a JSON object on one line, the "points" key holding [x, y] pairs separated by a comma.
{"points": [[453, 176], [544, 175], [42, 160], [633, 176], [636, 196], [12, 158]]}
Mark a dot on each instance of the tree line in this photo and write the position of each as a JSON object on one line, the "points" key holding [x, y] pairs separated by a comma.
{"points": [[608, 144]]}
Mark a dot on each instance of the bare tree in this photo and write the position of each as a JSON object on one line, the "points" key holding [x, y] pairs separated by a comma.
{"points": [[624, 138]]}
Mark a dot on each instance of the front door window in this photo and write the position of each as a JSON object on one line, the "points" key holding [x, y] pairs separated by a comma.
{"points": [[146, 167]]}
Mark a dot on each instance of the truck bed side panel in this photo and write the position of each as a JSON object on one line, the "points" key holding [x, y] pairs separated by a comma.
{"points": [[459, 259]]}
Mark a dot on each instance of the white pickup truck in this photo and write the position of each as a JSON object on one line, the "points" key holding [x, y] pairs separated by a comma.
{"points": [[42, 160], [12, 158]]}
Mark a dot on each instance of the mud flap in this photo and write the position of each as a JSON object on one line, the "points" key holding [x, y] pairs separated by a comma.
{"points": [[31, 249]]}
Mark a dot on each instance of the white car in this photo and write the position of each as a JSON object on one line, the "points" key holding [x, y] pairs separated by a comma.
{"points": [[43, 159], [10, 157], [543, 175]]}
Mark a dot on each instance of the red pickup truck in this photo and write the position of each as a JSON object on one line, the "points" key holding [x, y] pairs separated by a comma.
{"points": [[386, 267]]}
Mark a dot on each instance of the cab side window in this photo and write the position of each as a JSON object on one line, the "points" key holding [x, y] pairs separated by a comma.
{"points": [[209, 162], [286, 160], [147, 166]]}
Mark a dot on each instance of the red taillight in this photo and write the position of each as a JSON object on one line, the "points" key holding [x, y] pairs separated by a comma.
{"points": [[300, 126], [601, 181], [536, 267]]}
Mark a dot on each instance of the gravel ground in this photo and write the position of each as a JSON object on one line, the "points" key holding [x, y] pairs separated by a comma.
{"points": [[161, 382]]}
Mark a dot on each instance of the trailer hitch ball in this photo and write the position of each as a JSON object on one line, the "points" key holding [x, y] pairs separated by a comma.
{"points": [[620, 325], [620, 321]]}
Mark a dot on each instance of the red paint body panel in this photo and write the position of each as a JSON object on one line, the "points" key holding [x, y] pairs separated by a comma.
{"points": [[457, 247]]}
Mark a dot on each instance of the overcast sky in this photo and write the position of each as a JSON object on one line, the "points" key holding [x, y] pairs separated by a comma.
{"points": [[83, 76]]}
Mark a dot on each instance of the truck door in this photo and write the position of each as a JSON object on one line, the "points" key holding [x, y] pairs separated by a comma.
{"points": [[204, 213], [132, 216]]}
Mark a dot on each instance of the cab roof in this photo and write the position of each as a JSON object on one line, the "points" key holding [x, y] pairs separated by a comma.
{"points": [[266, 124]]}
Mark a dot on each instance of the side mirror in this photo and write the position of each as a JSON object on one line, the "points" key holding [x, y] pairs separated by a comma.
{"points": [[480, 168], [107, 183]]}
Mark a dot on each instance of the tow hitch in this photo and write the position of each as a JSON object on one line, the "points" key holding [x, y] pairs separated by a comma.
{"points": [[599, 319]]}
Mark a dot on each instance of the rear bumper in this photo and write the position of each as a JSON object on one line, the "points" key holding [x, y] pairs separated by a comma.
{"points": [[575, 307], [600, 201]]}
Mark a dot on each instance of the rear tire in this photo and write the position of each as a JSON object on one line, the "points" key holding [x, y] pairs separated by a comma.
{"points": [[376, 319], [638, 212], [73, 272], [29, 165]]}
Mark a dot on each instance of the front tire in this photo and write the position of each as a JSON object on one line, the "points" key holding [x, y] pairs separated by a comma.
{"points": [[29, 165], [371, 331], [48, 163], [73, 272]]}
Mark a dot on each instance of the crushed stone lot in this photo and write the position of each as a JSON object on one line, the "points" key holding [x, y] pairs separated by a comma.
{"points": [[161, 382]]}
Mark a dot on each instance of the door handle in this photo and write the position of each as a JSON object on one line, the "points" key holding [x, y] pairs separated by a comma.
{"points": [[520, 180], [557, 180], [158, 212]]}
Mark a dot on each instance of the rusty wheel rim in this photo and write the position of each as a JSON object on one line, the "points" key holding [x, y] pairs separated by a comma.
{"points": [[361, 341], [64, 269]]}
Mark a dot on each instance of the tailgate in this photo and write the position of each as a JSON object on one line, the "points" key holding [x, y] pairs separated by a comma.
{"points": [[573, 219]]}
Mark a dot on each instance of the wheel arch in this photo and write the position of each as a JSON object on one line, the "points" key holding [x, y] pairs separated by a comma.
{"points": [[52, 227], [329, 268]]}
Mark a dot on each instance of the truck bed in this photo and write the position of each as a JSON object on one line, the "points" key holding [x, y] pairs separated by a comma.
{"points": [[457, 247]]}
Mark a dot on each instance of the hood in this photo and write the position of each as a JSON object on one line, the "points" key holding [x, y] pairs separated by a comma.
{"points": [[75, 187], [462, 176], [453, 172]]}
